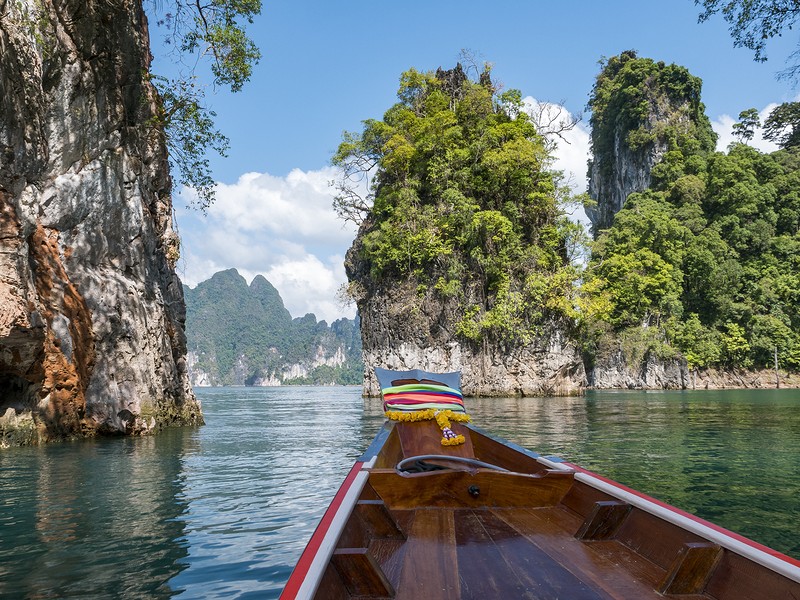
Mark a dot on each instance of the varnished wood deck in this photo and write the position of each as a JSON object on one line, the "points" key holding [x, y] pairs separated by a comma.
{"points": [[504, 553], [531, 533]]}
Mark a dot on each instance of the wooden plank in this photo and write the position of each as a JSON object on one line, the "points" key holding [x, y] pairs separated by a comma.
{"points": [[354, 534], [736, 578], [430, 568], [391, 453], [691, 569], [424, 437], [390, 555], [453, 488], [483, 571], [607, 566], [604, 520], [361, 574], [654, 538], [581, 498], [368, 493], [495, 453], [377, 520], [495, 561], [331, 586]]}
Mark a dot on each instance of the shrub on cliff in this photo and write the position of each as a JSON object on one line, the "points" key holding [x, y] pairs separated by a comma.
{"points": [[707, 256], [463, 202]]}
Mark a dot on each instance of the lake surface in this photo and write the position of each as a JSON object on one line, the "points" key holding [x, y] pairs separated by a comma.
{"points": [[225, 510]]}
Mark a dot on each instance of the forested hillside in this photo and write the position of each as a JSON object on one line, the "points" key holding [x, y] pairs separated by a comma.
{"points": [[243, 335], [705, 262]]}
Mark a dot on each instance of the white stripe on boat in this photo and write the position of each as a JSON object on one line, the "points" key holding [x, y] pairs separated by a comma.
{"points": [[317, 569]]}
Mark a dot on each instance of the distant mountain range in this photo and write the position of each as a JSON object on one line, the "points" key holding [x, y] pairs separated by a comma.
{"points": [[243, 335]]}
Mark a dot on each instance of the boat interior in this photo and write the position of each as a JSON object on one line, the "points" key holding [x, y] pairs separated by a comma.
{"points": [[457, 528]]}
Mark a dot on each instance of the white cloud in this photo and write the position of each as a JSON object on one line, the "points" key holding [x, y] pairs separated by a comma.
{"points": [[281, 227], [310, 285], [723, 126]]}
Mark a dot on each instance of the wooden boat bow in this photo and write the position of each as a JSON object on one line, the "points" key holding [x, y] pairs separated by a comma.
{"points": [[540, 529], [489, 519]]}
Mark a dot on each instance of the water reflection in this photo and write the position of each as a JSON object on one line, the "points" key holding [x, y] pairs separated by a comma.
{"points": [[269, 462], [92, 519]]}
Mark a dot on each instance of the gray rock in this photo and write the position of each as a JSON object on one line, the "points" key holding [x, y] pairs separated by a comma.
{"points": [[616, 371], [401, 331], [91, 310]]}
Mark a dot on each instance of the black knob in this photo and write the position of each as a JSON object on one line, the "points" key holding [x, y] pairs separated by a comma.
{"points": [[474, 491]]}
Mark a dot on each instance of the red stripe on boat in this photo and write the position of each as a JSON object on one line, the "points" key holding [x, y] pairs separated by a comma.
{"points": [[683, 513], [304, 564]]}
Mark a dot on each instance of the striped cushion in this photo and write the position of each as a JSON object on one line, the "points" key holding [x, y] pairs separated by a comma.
{"points": [[422, 396]]}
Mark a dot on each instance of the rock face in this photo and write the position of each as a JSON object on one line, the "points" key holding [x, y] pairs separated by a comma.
{"points": [[650, 373], [714, 379], [91, 310], [612, 178], [401, 330]]}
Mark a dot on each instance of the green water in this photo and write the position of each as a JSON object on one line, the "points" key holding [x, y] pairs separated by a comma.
{"points": [[224, 511]]}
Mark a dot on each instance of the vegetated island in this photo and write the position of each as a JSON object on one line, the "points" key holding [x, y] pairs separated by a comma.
{"points": [[465, 259]]}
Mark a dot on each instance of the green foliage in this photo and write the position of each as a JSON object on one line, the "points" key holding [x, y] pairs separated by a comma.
{"points": [[753, 22], [190, 132], [213, 32], [745, 129], [462, 186], [626, 94], [709, 256], [783, 125], [700, 345]]}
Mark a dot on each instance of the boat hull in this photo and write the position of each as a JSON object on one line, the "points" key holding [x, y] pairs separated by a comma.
{"points": [[524, 526]]}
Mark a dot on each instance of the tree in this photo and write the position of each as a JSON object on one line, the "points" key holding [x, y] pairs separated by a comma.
{"points": [[745, 129], [460, 201], [783, 125], [707, 257], [754, 22], [212, 33]]}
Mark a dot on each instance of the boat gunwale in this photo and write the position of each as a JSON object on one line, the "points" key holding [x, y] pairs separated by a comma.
{"points": [[310, 568], [308, 573], [759, 553]]}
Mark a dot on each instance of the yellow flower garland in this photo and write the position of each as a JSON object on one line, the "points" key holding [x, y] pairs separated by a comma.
{"points": [[442, 417]]}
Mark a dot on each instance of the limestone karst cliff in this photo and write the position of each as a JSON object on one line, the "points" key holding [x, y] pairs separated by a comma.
{"points": [[641, 110], [91, 310], [401, 330], [461, 262], [693, 268]]}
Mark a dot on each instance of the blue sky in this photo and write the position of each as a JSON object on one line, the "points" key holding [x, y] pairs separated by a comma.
{"points": [[327, 66]]}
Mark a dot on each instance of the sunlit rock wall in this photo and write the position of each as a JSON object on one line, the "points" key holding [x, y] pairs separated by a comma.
{"points": [[401, 330], [628, 172], [91, 310], [649, 372]]}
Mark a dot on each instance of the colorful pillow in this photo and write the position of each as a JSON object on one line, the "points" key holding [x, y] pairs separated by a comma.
{"points": [[419, 390]]}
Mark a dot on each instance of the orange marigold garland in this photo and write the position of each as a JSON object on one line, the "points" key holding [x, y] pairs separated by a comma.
{"points": [[442, 417]]}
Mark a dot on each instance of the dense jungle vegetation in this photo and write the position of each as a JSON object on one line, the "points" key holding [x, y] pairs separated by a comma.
{"points": [[706, 261], [463, 201]]}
